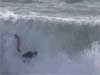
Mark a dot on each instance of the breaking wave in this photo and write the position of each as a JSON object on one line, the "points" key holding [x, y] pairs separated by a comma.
{"points": [[65, 43]]}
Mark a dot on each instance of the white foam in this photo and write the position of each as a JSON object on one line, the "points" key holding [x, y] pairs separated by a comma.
{"points": [[10, 15], [94, 55]]}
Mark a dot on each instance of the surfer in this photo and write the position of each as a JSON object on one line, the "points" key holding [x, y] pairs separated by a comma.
{"points": [[18, 43], [28, 54]]}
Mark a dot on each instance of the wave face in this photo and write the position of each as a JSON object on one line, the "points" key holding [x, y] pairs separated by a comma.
{"points": [[65, 45]]}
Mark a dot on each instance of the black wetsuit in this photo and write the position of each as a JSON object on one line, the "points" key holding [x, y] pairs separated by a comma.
{"points": [[29, 54]]}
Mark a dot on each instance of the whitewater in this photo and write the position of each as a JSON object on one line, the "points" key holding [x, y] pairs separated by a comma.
{"points": [[66, 45]]}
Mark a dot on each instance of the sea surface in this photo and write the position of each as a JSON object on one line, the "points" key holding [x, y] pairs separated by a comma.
{"points": [[65, 33]]}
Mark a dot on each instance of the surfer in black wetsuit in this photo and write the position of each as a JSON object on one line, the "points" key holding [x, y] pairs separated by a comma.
{"points": [[18, 43], [28, 54]]}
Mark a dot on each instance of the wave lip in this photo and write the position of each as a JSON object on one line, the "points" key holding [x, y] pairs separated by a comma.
{"points": [[10, 15]]}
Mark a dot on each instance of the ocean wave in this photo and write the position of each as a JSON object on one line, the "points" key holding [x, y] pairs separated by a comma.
{"points": [[6, 15], [72, 33], [72, 36]]}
